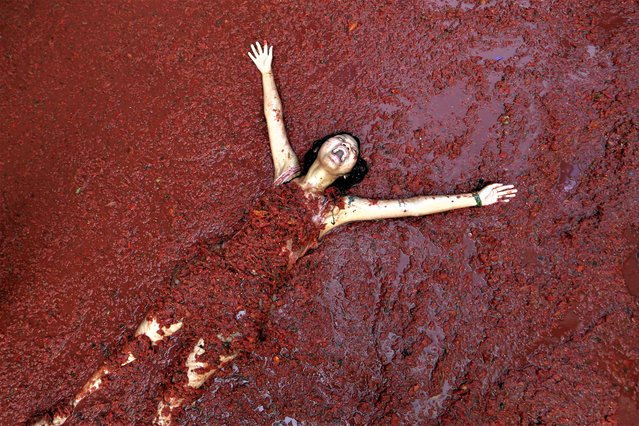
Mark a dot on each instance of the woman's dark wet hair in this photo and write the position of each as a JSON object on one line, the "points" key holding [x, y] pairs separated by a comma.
{"points": [[342, 184]]}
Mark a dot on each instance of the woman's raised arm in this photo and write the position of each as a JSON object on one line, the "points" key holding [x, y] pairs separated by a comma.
{"points": [[356, 209], [284, 157]]}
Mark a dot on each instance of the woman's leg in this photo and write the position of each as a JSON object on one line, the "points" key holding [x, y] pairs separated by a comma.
{"points": [[224, 312], [184, 390], [151, 332], [223, 335]]}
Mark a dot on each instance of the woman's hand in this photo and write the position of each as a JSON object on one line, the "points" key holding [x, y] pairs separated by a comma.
{"points": [[262, 58], [496, 192]]}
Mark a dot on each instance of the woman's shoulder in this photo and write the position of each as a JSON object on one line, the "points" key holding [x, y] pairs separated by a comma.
{"points": [[287, 175]]}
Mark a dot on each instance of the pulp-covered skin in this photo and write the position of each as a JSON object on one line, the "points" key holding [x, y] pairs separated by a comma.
{"points": [[134, 130], [221, 296]]}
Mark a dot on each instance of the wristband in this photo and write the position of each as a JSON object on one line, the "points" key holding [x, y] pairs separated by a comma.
{"points": [[477, 199]]}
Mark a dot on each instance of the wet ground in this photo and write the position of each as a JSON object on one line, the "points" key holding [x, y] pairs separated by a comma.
{"points": [[132, 130]]}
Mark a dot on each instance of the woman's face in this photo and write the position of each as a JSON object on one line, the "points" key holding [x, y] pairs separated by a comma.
{"points": [[338, 154]]}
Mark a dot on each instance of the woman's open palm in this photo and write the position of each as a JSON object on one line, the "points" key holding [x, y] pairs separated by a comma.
{"points": [[262, 57], [497, 192]]}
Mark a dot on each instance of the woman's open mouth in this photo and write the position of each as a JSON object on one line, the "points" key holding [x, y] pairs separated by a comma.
{"points": [[339, 154]]}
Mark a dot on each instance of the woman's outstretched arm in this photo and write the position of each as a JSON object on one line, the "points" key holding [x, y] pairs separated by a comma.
{"points": [[284, 157], [356, 209]]}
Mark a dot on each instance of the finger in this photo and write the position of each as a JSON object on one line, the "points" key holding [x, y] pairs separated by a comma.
{"points": [[254, 51], [270, 51], [259, 47], [266, 47], [507, 191], [251, 56]]}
